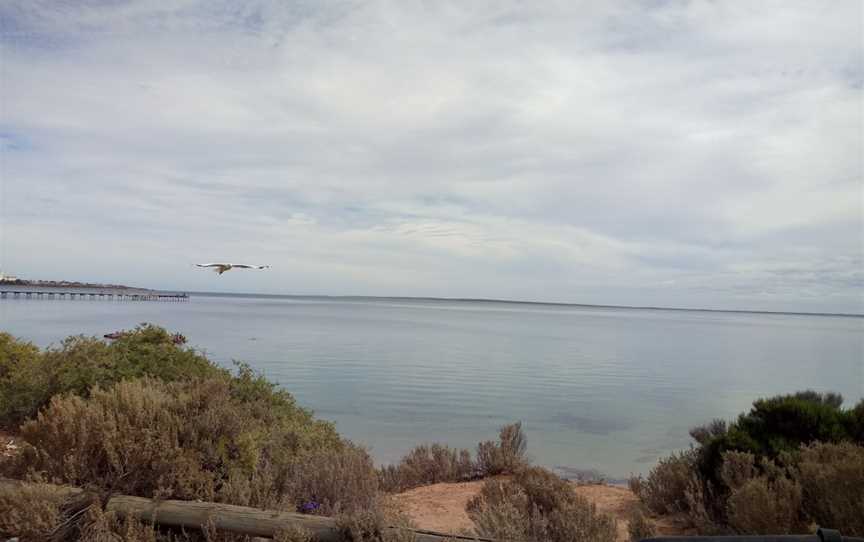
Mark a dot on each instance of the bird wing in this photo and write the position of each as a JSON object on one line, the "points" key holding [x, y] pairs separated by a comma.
{"points": [[243, 266], [209, 264]]}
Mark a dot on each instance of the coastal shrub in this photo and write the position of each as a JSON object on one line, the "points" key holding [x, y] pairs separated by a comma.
{"points": [[832, 483], [293, 533], [28, 379], [100, 526], [703, 434], [738, 468], [219, 439], [30, 512], [639, 526], [663, 491], [762, 506], [506, 456], [427, 464], [704, 507], [764, 471], [14, 352], [378, 523], [855, 423], [335, 481], [537, 505], [782, 424]]}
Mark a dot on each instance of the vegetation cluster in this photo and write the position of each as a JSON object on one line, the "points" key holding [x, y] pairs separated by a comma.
{"points": [[146, 416], [790, 463]]}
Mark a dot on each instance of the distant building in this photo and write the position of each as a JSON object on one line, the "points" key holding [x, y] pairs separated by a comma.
{"points": [[4, 277]]}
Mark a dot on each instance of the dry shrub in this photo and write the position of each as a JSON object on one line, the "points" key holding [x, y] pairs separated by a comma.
{"points": [[377, 523], [762, 506], [101, 526], [832, 481], [738, 469], [335, 481], [212, 439], [427, 464], [639, 526], [699, 495], [507, 456], [537, 505], [30, 512], [663, 491], [294, 533], [585, 477]]}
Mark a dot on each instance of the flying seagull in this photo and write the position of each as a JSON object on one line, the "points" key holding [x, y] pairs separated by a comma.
{"points": [[222, 267]]}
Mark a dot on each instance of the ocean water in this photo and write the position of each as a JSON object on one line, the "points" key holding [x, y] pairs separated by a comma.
{"points": [[603, 389]]}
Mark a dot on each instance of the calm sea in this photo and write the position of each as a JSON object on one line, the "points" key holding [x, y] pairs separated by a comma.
{"points": [[596, 388]]}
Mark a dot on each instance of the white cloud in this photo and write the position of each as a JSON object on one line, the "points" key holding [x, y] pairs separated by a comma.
{"points": [[661, 153]]}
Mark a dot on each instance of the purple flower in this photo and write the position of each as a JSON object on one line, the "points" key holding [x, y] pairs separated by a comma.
{"points": [[309, 507]]}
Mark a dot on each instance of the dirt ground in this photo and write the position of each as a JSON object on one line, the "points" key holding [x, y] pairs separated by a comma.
{"points": [[7, 445], [441, 507]]}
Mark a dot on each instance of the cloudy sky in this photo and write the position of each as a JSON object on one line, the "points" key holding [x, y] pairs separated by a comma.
{"points": [[696, 154]]}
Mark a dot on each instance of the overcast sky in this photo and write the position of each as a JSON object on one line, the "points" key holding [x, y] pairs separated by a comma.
{"points": [[696, 154]]}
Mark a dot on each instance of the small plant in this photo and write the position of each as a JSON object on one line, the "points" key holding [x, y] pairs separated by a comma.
{"points": [[30, 512], [507, 456], [294, 533], [763, 506], [536, 505], [377, 523], [427, 464], [639, 526], [330, 482], [663, 491]]}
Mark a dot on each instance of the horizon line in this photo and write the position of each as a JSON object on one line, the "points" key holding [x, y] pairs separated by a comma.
{"points": [[525, 302]]}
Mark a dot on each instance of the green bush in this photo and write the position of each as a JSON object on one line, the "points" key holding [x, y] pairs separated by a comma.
{"points": [[29, 378], [773, 427], [782, 424], [536, 505], [855, 423], [14, 353], [427, 464], [507, 456], [763, 472]]}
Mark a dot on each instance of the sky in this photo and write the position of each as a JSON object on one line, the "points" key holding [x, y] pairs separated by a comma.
{"points": [[666, 153]]}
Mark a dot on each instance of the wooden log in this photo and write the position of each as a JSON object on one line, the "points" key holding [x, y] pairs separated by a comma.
{"points": [[223, 517], [243, 520], [227, 517]]}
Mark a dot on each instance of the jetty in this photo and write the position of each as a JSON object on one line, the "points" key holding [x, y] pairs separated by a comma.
{"points": [[92, 296]]}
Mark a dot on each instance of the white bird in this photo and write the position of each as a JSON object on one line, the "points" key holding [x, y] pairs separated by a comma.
{"points": [[222, 267]]}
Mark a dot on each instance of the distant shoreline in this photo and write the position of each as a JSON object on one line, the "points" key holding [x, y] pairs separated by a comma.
{"points": [[73, 284], [69, 284], [515, 302]]}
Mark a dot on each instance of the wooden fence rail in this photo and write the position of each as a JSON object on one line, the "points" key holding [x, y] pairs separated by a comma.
{"points": [[226, 517]]}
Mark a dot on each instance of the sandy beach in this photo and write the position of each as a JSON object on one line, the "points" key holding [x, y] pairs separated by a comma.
{"points": [[441, 507]]}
